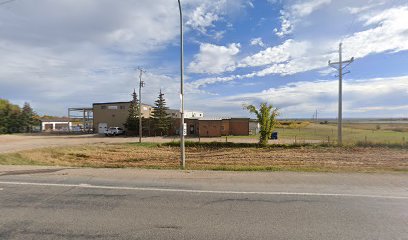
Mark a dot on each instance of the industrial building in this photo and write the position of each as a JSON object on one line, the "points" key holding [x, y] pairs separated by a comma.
{"points": [[115, 114], [214, 127]]}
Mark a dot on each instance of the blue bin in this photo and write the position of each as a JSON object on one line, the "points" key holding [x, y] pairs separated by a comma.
{"points": [[274, 136]]}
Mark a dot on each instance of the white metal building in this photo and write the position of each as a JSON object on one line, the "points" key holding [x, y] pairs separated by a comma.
{"points": [[55, 125]]}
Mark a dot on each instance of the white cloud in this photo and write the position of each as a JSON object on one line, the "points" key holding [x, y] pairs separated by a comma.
{"points": [[66, 53], [365, 7], [388, 33], [201, 18], [286, 25], [207, 12], [257, 42], [294, 13], [290, 49], [215, 59], [367, 96], [305, 8]]}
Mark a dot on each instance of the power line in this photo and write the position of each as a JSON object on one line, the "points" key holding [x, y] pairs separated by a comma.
{"points": [[340, 66]]}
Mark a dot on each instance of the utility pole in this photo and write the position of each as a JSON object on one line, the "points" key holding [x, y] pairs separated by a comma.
{"points": [[340, 66], [141, 84], [182, 145]]}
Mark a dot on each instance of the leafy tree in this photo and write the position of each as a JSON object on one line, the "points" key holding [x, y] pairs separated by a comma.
{"points": [[132, 121], [9, 117], [266, 115], [161, 119]]}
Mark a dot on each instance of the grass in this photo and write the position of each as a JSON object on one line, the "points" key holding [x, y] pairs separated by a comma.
{"points": [[217, 145], [145, 144], [382, 145], [220, 157], [17, 159], [352, 133]]}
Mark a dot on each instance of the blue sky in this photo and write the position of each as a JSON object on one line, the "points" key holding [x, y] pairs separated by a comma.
{"points": [[60, 54]]}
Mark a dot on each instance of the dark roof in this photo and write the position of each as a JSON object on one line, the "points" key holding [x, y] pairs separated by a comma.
{"points": [[219, 119], [210, 119], [108, 103], [105, 103], [240, 119]]}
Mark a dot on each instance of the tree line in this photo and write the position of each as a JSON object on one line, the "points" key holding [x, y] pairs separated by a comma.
{"points": [[16, 119]]}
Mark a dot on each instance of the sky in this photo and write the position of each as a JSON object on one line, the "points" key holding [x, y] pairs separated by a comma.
{"points": [[67, 53]]}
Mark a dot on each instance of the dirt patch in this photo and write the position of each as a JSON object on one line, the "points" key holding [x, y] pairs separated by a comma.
{"points": [[21, 142], [330, 159]]}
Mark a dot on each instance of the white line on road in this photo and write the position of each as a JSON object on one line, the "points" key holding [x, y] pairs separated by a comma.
{"points": [[203, 191]]}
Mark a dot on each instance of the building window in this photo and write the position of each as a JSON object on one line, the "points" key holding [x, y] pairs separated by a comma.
{"points": [[113, 107], [122, 107], [222, 128], [103, 107]]}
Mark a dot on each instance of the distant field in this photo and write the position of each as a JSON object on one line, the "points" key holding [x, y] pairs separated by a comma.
{"points": [[352, 133]]}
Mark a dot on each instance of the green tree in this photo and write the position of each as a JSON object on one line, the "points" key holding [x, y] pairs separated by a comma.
{"points": [[266, 115], [9, 117], [161, 119], [132, 121], [27, 118]]}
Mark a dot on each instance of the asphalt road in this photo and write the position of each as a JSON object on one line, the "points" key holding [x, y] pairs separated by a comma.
{"points": [[52, 203]]}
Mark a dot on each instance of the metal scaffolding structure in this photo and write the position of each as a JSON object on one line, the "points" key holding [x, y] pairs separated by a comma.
{"points": [[83, 116]]}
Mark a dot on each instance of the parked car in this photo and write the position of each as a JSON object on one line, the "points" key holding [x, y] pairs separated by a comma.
{"points": [[114, 131]]}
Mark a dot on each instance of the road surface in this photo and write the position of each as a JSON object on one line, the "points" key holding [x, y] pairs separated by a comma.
{"points": [[55, 203]]}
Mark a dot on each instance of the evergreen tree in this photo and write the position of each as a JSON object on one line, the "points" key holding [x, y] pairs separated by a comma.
{"points": [[27, 118], [160, 117], [132, 122]]}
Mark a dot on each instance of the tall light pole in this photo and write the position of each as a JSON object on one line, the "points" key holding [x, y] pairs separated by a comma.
{"points": [[182, 145]]}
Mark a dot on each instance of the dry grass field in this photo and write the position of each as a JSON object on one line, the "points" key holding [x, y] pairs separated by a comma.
{"points": [[307, 158], [352, 133]]}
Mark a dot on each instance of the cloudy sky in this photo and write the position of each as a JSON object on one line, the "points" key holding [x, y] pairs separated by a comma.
{"points": [[72, 53]]}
